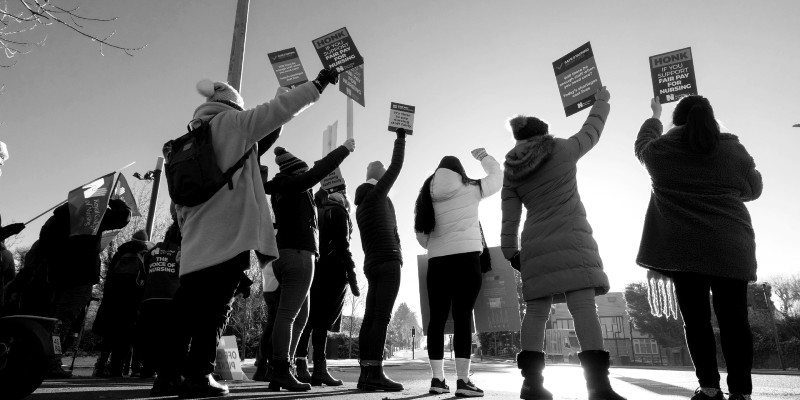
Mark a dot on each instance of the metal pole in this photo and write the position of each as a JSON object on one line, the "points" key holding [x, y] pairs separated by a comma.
{"points": [[154, 196], [768, 303], [237, 47]]}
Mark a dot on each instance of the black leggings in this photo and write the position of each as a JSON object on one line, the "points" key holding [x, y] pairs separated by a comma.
{"points": [[730, 306], [453, 280], [384, 283]]}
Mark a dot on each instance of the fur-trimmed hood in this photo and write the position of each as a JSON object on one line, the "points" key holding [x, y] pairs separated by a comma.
{"points": [[527, 156]]}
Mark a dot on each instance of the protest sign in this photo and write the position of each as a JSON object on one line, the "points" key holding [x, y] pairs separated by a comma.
{"points": [[577, 78], [288, 68], [497, 306], [87, 205], [337, 51], [334, 181], [449, 327], [401, 116], [351, 83], [229, 366], [673, 75]]}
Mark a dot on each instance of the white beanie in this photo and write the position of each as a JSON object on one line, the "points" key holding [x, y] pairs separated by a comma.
{"points": [[220, 92]]}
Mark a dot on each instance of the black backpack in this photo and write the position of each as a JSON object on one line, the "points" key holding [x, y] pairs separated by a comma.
{"points": [[191, 168]]}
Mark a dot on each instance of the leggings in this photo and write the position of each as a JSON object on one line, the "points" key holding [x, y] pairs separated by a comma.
{"points": [[584, 311], [454, 282], [384, 283]]}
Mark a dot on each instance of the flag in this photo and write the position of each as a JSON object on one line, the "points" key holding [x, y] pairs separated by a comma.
{"points": [[87, 205], [124, 192]]}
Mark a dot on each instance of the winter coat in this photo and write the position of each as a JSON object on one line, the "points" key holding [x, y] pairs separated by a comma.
{"points": [[696, 220], [122, 292], [377, 222], [7, 270], [455, 207], [557, 253], [237, 220], [161, 266], [293, 202]]}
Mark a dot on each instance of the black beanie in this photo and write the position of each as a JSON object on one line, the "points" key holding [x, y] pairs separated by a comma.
{"points": [[527, 127]]}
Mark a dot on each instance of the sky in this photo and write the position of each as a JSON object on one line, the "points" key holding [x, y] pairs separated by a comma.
{"points": [[69, 114]]}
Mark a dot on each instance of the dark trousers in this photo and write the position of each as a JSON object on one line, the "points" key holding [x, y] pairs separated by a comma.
{"points": [[204, 301], [68, 303], [319, 340], [384, 283], [729, 298], [271, 300], [453, 283], [294, 271], [156, 318]]}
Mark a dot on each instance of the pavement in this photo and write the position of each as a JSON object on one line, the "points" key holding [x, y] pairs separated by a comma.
{"points": [[500, 379]]}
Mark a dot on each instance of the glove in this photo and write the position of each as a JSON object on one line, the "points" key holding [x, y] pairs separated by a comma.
{"points": [[325, 77], [352, 280], [602, 94], [11, 230], [401, 133], [514, 261]]}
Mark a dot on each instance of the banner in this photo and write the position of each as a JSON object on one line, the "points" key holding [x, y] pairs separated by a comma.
{"points": [[401, 116], [337, 51], [334, 181], [449, 327], [124, 192], [497, 306], [87, 205], [351, 83], [288, 68], [577, 78], [673, 75]]}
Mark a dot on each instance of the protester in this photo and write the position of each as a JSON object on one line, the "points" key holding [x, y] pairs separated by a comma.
{"points": [[119, 309], [698, 232], [219, 234], [8, 269], [332, 272], [383, 259], [296, 221], [447, 225], [558, 257]]}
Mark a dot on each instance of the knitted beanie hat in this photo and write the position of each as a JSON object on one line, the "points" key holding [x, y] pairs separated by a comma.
{"points": [[289, 164], [220, 92], [375, 170], [140, 235], [527, 127]]}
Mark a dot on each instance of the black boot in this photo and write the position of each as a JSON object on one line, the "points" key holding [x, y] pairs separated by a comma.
{"points": [[362, 376], [100, 370], [595, 369], [198, 387], [282, 378], [377, 380], [322, 376], [165, 386], [262, 370], [531, 365], [301, 370]]}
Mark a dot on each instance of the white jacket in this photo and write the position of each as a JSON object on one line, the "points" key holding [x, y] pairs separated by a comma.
{"points": [[455, 207]]}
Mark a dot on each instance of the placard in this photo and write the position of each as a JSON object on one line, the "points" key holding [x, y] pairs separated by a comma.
{"points": [[351, 83], [449, 326], [333, 182], [577, 78], [673, 75], [497, 305], [288, 68], [337, 51], [401, 116], [229, 366]]}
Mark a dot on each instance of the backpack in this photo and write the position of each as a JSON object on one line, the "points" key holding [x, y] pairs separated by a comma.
{"points": [[128, 264], [191, 169]]}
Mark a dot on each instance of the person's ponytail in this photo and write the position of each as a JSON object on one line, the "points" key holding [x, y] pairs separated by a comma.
{"points": [[701, 131], [424, 217]]}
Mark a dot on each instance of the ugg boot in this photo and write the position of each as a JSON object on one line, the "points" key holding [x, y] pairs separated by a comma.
{"points": [[595, 365], [321, 376], [377, 380], [282, 378], [301, 370], [531, 365]]}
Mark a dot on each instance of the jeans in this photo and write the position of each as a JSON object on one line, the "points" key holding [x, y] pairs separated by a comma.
{"points": [[384, 283], [729, 297], [294, 271], [319, 340], [204, 302], [453, 281], [584, 312]]}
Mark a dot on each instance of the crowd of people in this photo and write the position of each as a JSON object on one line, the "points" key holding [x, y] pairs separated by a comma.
{"points": [[697, 232]]}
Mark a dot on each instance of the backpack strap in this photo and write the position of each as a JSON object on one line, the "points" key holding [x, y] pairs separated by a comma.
{"points": [[239, 164]]}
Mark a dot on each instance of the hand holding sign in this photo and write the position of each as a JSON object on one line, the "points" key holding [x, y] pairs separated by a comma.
{"points": [[602, 94], [350, 144], [401, 133], [479, 153], [325, 77], [655, 105]]}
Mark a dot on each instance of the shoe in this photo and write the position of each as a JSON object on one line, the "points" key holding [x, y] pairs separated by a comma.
{"points": [[57, 372], [200, 387], [531, 365], [377, 380], [165, 387], [261, 374], [438, 386], [362, 377], [739, 397], [282, 378], [467, 389], [700, 395], [100, 371], [322, 376], [301, 370], [595, 365]]}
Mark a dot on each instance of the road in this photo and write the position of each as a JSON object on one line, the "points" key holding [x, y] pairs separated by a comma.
{"points": [[498, 379]]}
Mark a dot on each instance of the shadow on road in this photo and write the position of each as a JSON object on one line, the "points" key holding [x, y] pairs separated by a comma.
{"points": [[657, 387]]}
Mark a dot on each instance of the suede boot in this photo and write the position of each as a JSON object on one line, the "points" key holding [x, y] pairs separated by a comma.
{"points": [[531, 365], [200, 387], [595, 365], [301, 370], [321, 376], [377, 380], [282, 378]]}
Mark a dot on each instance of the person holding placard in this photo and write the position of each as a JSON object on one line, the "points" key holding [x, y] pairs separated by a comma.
{"points": [[698, 233], [447, 225], [557, 256]]}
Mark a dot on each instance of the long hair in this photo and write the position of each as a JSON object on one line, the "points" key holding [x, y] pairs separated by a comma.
{"points": [[701, 130], [424, 217]]}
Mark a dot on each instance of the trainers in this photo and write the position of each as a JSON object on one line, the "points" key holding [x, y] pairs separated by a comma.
{"points": [[467, 389], [699, 394], [438, 386], [739, 397]]}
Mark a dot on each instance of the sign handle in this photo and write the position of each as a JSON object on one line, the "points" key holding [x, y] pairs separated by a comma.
{"points": [[349, 118]]}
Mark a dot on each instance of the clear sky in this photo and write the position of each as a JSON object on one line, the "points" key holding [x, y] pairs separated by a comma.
{"points": [[69, 115]]}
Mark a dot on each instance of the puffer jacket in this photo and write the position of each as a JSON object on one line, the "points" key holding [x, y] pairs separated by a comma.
{"points": [[557, 252], [455, 207]]}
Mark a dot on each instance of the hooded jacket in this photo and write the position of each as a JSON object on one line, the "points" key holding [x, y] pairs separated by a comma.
{"points": [[237, 220], [455, 207], [557, 252], [696, 220]]}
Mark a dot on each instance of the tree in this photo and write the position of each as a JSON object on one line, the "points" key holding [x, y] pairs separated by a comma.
{"points": [[355, 305], [399, 332], [787, 289], [667, 332]]}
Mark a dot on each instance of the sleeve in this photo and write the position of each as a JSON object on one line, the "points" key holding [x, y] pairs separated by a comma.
{"points": [[754, 185], [321, 169], [583, 141], [651, 129], [340, 233], [511, 206], [492, 183], [267, 141], [423, 238], [117, 216], [114, 260], [386, 182]]}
